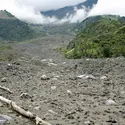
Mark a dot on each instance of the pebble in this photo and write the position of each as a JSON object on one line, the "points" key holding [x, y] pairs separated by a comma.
{"points": [[89, 77], [87, 122], [87, 59], [69, 92], [64, 63], [25, 95], [110, 102], [86, 76], [51, 111], [4, 79], [44, 77], [52, 64], [122, 92], [103, 77], [9, 64], [37, 108], [53, 87]]}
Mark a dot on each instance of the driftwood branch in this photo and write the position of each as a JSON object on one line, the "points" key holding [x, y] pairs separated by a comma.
{"points": [[6, 89], [15, 107]]}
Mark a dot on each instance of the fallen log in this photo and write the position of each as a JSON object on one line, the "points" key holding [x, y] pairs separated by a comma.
{"points": [[15, 107], [6, 89]]}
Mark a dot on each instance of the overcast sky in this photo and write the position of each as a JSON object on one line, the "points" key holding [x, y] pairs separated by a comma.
{"points": [[38, 4], [114, 7], [29, 10]]}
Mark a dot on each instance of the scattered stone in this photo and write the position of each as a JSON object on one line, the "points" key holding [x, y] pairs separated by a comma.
{"points": [[122, 92], [9, 64], [4, 79], [25, 96], [51, 111], [86, 76], [30, 106], [89, 77], [81, 76], [47, 60], [52, 64], [103, 77], [56, 76], [43, 60], [87, 59], [44, 77], [69, 92], [37, 108], [87, 122], [121, 57], [16, 63], [110, 102], [64, 63], [53, 87], [9, 111]]}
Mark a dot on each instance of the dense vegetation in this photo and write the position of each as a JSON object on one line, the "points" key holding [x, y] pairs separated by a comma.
{"points": [[12, 29], [103, 37]]}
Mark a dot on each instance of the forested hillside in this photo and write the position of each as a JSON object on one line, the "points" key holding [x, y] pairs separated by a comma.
{"points": [[12, 29], [104, 36]]}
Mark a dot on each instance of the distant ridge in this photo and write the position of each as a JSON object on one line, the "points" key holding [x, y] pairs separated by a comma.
{"points": [[62, 12]]}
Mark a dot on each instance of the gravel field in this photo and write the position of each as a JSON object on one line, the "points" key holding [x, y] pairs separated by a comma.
{"points": [[62, 91]]}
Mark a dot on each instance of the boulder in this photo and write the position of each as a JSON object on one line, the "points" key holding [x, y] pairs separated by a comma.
{"points": [[44, 77], [86, 76], [4, 79], [110, 102]]}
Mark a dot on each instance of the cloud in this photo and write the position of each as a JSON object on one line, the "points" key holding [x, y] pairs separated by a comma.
{"points": [[78, 16], [29, 10], [113, 7]]}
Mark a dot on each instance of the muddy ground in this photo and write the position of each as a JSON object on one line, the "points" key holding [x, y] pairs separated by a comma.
{"points": [[55, 92]]}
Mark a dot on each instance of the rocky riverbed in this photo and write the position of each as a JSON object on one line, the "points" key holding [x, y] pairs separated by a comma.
{"points": [[62, 91]]}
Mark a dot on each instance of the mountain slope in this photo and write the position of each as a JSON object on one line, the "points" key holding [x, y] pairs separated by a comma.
{"points": [[105, 37], [62, 12], [12, 29], [6, 15]]}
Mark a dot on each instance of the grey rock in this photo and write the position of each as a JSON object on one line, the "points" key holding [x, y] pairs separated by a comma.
{"points": [[110, 102], [86, 76], [4, 79], [25, 96], [44, 77]]}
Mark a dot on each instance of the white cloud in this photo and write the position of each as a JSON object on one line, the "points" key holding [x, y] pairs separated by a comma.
{"points": [[29, 10], [78, 16], [114, 7]]}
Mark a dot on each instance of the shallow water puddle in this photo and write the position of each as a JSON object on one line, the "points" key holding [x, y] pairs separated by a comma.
{"points": [[4, 118]]}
